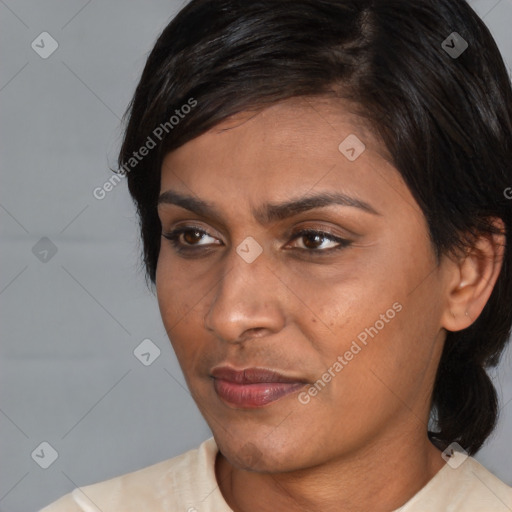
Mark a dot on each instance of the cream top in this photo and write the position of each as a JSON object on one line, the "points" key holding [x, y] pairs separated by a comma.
{"points": [[187, 483]]}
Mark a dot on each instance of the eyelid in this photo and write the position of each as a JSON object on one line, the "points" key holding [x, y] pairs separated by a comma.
{"points": [[175, 232], [324, 233], [190, 227], [325, 230]]}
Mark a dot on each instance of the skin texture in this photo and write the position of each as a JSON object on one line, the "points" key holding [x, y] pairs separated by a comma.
{"points": [[297, 307]]}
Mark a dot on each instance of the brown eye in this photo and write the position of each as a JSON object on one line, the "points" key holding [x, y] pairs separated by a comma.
{"points": [[312, 240], [191, 237], [318, 241]]}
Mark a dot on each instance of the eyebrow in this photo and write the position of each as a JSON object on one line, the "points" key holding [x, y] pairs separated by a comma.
{"points": [[270, 212]]}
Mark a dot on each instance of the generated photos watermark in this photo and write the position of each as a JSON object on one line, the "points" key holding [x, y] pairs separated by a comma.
{"points": [[343, 360], [158, 133]]}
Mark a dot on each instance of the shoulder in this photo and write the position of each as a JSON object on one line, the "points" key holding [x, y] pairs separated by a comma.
{"points": [[463, 485], [181, 482], [487, 489]]}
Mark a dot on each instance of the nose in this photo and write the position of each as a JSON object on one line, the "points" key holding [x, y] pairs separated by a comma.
{"points": [[246, 302]]}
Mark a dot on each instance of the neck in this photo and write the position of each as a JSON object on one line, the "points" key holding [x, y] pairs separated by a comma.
{"points": [[359, 482]]}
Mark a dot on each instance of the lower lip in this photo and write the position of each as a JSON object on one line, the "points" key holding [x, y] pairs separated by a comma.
{"points": [[254, 395]]}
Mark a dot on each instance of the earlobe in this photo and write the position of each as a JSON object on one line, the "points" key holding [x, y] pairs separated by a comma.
{"points": [[473, 279]]}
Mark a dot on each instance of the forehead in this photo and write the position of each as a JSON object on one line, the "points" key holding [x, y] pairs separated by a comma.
{"points": [[289, 148], [309, 125]]}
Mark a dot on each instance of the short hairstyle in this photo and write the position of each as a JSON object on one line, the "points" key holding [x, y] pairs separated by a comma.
{"points": [[446, 121]]}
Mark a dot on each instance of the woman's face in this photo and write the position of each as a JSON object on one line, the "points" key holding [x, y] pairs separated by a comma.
{"points": [[342, 292]]}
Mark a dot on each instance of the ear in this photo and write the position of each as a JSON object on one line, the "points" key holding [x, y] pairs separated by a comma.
{"points": [[472, 279]]}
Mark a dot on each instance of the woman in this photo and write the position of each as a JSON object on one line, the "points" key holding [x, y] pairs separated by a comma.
{"points": [[321, 187]]}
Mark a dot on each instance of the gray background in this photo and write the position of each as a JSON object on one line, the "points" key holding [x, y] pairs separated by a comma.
{"points": [[71, 320]]}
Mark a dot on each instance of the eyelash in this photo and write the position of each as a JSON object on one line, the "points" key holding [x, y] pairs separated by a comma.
{"points": [[174, 235]]}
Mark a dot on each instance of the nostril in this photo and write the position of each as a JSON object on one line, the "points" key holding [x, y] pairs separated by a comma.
{"points": [[253, 332]]}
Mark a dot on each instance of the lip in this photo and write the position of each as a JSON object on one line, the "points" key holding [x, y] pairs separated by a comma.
{"points": [[253, 387]]}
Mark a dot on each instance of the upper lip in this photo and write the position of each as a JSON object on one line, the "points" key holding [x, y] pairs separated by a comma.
{"points": [[251, 375]]}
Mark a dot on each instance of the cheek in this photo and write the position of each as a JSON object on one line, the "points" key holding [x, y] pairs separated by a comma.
{"points": [[376, 361], [370, 329], [178, 291], [345, 305], [178, 298]]}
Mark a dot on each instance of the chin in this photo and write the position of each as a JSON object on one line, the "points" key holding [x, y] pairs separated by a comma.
{"points": [[264, 454]]}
